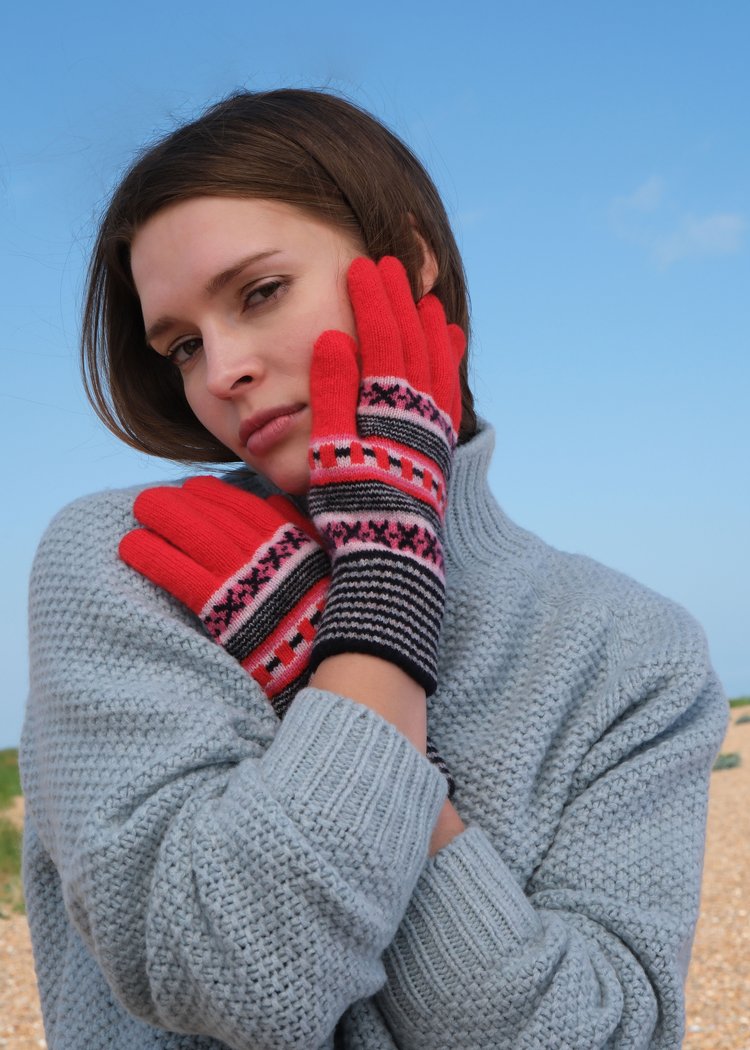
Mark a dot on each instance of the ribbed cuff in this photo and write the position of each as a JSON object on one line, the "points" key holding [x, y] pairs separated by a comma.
{"points": [[466, 910], [340, 765], [387, 605], [476, 529]]}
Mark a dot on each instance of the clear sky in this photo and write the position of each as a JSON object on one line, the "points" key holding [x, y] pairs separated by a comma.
{"points": [[595, 160]]}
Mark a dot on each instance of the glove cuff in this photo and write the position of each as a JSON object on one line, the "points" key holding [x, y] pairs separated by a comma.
{"points": [[386, 605]]}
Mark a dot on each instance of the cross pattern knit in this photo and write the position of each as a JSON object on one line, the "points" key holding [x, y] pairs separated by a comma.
{"points": [[284, 590], [390, 553], [246, 566], [199, 875], [224, 611], [385, 414]]}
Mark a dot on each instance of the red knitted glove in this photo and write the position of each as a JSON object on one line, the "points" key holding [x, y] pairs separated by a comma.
{"points": [[380, 460], [247, 567]]}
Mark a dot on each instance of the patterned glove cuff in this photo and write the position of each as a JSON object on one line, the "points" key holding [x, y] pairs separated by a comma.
{"points": [[439, 762], [267, 613], [387, 606]]}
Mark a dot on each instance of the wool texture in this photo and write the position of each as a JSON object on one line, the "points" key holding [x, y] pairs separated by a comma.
{"points": [[380, 458], [249, 568], [199, 875]]}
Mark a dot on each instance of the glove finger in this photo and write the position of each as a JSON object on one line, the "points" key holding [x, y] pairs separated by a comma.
{"points": [[167, 567], [235, 534], [457, 338], [181, 520], [259, 518], [334, 385], [458, 346], [377, 330], [416, 354], [443, 364], [288, 512]]}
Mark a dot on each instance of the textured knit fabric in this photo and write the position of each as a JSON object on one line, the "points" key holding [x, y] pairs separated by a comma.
{"points": [[385, 417], [248, 568], [194, 866]]}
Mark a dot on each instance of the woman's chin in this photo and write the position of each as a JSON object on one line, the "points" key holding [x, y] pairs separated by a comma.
{"points": [[294, 480], [298, 487]]}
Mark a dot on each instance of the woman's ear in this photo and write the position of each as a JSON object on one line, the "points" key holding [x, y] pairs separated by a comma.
{"points": [[429, 269]]}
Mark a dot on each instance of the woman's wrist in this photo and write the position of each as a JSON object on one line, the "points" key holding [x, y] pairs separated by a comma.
{"points": [[381, 686], [448, 826]]}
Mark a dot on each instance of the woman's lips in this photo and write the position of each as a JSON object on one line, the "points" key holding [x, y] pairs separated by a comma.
{"points": [[264, 429]]}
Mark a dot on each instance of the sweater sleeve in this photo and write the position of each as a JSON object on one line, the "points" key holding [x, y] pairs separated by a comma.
{"points": [[593, 950], [232, 877]]}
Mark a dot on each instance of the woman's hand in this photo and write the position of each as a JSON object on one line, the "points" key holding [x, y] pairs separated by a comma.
{"points": [[380, 460], [255, 574], [249, 568]]}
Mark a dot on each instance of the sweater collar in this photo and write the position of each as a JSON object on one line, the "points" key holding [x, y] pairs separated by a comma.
{"points": [[475, 525]]}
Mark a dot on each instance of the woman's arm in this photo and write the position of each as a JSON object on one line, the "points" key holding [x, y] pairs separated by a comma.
{"points": [[228, 875], [592, 950], [381, 686], [387, 690]]}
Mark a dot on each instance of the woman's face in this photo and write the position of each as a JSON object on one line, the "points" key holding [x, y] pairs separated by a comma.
{"points": [[235, 292]]}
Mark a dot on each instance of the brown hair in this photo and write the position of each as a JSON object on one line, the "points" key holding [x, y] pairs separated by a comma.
{"points": [[307, 148]]}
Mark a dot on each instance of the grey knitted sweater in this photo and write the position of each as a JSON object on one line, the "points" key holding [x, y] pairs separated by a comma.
{"points": [[194, 866]]}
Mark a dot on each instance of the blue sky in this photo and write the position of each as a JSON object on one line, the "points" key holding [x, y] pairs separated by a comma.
{"points": [[595, 161]]}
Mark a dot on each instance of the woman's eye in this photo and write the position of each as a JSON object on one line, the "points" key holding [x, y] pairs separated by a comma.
{"points": [[263, 293], [182, 352]]}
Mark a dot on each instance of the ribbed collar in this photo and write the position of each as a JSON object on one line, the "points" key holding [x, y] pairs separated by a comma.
{"points": [[476, 528], [475, 525]]}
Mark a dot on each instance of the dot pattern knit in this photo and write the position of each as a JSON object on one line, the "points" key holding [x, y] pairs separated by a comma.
{"points": [[201, 875]]}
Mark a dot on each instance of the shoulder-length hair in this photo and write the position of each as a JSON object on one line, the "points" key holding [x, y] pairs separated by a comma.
{"points": [[306, 148]]}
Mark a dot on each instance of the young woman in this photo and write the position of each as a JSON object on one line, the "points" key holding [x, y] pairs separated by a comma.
{"points": [[330, 753]]}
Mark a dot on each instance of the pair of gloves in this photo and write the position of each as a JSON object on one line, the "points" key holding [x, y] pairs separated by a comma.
{"points": [[364, 573]]}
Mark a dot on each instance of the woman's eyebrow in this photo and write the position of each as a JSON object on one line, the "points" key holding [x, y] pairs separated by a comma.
{"points": [[212, 287], [222, 279]]}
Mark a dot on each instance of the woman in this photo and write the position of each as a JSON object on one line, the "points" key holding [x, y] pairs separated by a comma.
{"points": [[277, 284]]}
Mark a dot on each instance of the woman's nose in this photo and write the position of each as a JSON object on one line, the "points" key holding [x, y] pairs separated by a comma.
{"points": [[230, 363]]}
